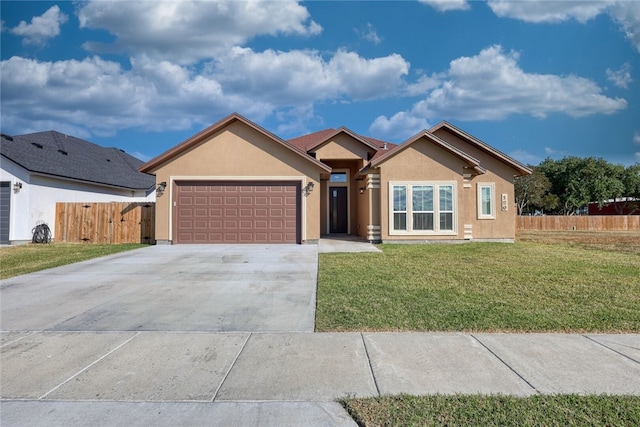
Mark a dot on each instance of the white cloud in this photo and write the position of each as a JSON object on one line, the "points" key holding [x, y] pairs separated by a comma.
{"points": [[188, 31], [304, 76], [525, 157], [637, 156], [140, 156], [636, 138], [400, 126], [100, 97], [492, 86], [621, 77], [369, 34], [549, 11], [447, 5], [423, 85], [103, 97], [42, 27], [625, 13]]}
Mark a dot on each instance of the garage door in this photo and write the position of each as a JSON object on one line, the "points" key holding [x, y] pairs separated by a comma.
{"points": [[5, 209], [237, 212]]}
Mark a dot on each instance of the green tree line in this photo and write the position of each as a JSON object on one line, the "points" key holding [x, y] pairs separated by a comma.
{"points": [[566, 186]]}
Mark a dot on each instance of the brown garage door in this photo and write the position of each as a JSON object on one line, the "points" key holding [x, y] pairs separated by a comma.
{"points": [[237, 212]]}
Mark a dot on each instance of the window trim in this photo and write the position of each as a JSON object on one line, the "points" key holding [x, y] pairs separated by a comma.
{"points": [[492, 188], [436, 208]]}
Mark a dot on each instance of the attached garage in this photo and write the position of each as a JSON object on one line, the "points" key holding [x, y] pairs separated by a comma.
{"points": [[235, 182], [237, 212]]}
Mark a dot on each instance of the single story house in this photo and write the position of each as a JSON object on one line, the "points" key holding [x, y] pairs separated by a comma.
{"points": [[38, 170], [237, 182]]}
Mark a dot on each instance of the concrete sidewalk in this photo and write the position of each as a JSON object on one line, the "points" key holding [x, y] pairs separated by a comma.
{"points": [[75, 378]]}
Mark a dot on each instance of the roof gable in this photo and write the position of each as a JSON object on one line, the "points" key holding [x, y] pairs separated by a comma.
{"points": [[213, 129], [337, 132], [470, 139], [472, 162], [56, 154]]}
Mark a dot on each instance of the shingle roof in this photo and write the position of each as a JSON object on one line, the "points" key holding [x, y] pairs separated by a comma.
{"points": [[56, 154], [309, 141]]}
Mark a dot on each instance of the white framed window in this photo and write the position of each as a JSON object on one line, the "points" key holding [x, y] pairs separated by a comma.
{"points": [[486, 200], [422, 208]]}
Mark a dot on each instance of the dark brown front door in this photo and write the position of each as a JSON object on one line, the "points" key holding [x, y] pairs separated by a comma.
{"points": [[338, 210], [237, 212]]}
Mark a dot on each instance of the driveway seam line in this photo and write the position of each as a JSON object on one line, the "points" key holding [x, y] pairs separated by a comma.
{"points": [[373, 375], [20, 339], [505, 364], [609, 348], [88, 366], [215, 395]]}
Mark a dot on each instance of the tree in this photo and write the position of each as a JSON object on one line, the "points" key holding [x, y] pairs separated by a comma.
{"points": [[602, 180], [532, 192], [567, 183], [629, 203], [578, 181]]}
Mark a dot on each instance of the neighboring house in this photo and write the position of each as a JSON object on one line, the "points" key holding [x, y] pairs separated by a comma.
{"points": [[621, 206], [40, 169], [237, 182]]}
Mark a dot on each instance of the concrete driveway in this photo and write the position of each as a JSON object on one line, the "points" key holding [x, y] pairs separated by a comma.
{"points": [[210, 288]]}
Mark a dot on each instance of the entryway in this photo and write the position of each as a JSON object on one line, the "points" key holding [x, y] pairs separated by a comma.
{"points": [[338, 210]]}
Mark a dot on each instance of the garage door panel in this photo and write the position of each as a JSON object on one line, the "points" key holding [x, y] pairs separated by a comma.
{"points": [[233, 212]]}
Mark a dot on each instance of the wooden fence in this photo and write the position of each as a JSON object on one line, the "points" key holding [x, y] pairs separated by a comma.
{"points": [[581, 223], [111, 222]]}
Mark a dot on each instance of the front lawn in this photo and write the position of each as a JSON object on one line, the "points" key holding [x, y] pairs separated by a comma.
{"points": [[23, 259], [529, 286], [559, 410]]}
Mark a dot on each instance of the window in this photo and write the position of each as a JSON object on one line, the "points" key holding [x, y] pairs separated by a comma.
{"points": [[422, 208], [446, 207], [338, 177], [486, 204], [399, 207]]}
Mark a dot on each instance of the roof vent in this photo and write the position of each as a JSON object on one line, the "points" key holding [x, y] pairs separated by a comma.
{"points": [[63, 152], [384, 146], [7, 137], [35, 144], [108, 160]]}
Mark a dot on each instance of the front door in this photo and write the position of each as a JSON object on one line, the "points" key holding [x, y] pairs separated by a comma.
{"points": [[338, 222]]}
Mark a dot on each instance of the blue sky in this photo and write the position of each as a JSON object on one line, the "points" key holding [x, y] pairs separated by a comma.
{"points": [[534, 79]]}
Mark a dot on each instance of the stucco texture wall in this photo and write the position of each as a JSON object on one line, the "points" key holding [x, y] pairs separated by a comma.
{"points": [[241, 152], [426, 162]]}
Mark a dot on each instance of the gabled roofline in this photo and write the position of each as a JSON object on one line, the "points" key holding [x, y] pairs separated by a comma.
{"points": [[522, 169], [32, 172], [471, 161], [209, 131], [347, 131]]}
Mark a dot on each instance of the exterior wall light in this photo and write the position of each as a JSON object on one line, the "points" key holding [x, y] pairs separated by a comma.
{"points": [[161, 187], [308, 188], [362, 190], [17, 186]]}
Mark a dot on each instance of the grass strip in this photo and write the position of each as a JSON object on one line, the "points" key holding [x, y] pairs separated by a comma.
{"points": [[489, 287], [468, 410], [23, 259]]}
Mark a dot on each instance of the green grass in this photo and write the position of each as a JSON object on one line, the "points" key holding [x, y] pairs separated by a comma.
{"points": [[463, 410], [521, 287], [23, 259]]}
